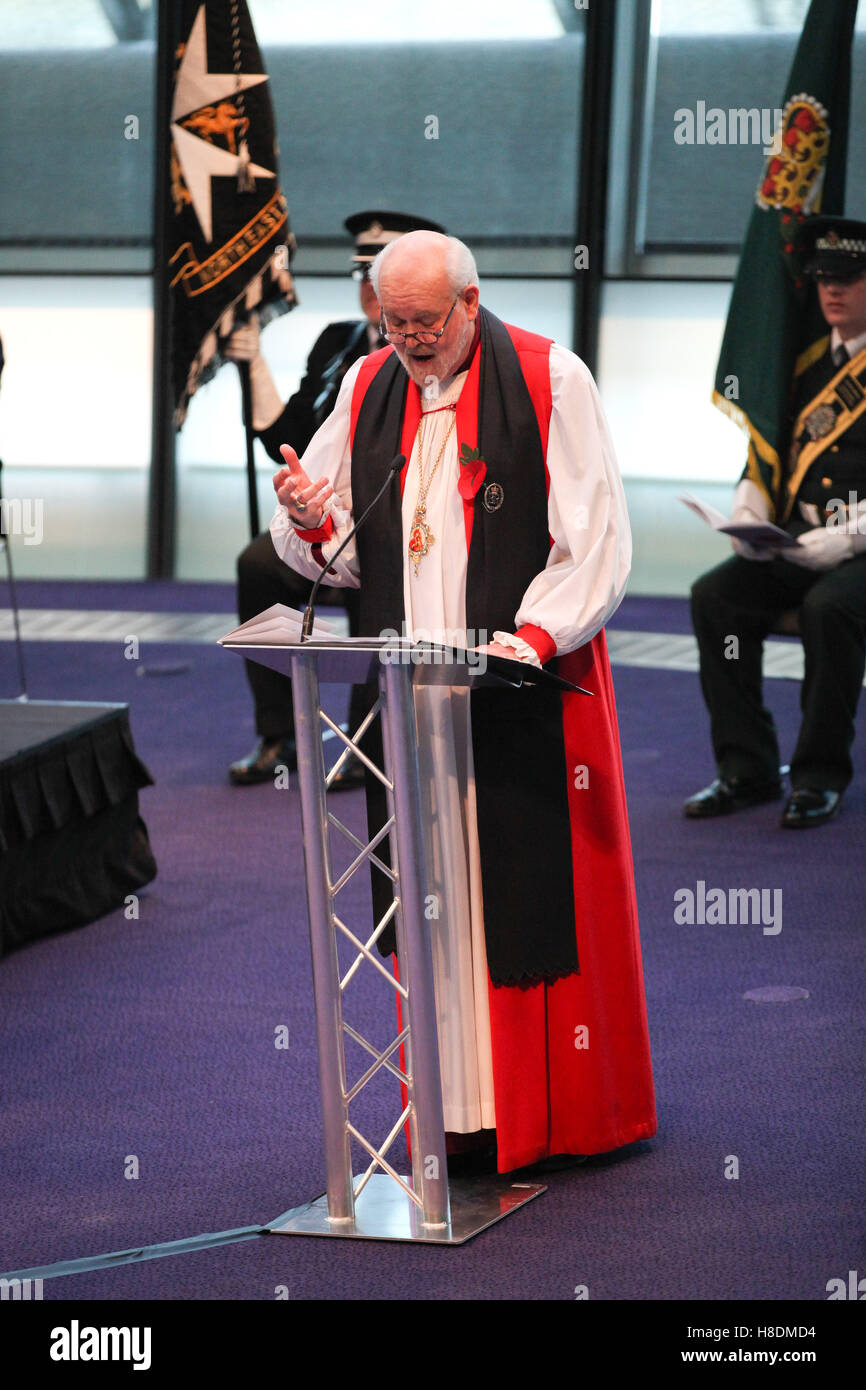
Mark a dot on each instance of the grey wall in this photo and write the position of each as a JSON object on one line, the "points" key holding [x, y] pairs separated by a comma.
{"points": [[350, 124], [703, 193], [351, 130], [65, 168]]}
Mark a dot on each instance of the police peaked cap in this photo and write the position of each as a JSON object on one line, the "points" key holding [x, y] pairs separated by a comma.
{"points": [[373, 230], [834, 246]]}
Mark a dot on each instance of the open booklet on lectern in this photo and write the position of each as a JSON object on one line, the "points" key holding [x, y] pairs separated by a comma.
{"points": [[280, 626]]}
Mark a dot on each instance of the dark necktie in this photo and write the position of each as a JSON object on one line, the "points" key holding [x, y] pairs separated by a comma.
{"points": [[840, 355]]}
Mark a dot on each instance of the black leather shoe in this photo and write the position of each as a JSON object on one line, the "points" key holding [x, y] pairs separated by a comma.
{"points": [[807, 806], [262, 763], [351, 775], [729, 794]]}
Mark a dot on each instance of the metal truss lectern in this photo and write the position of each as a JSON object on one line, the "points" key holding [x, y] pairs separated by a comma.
{"points": [[380, 1203]]}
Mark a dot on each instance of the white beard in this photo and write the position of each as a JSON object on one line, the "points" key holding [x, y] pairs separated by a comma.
{"points": [[439, 367]]}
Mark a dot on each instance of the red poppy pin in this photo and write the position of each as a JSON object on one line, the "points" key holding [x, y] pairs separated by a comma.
{"points": [[472, 471]]}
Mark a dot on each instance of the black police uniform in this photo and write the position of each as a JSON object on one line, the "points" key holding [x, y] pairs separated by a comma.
{"points": [[746, 598]]}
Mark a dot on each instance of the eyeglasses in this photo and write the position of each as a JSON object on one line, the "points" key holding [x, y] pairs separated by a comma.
{"points": [[362, 272], [425, 335]]}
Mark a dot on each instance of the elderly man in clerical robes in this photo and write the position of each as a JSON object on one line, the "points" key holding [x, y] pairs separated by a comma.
{"points": [[508, 528]]}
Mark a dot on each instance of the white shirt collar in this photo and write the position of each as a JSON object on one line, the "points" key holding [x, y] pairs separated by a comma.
{"points": [[854, 345]]}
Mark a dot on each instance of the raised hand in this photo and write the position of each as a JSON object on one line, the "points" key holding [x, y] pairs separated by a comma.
{"points": [[304, 501]]}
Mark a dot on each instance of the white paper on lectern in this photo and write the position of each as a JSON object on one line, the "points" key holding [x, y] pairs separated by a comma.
{"points": [[280, 626], [277, 624]]}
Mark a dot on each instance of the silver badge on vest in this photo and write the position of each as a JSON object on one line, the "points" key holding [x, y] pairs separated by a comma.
{"points": [[821, 421], [493, 497]]}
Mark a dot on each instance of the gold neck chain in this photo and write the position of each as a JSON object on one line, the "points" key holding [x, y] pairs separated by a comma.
{"points": [[424, 488], [420, 536]]}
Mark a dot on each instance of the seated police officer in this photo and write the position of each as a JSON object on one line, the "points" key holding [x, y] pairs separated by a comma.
{"points": [[263, 579], [823, 578]]}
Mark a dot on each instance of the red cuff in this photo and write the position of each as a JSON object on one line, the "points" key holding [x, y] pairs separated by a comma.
{"points": [[320, 534], [541, 641]]}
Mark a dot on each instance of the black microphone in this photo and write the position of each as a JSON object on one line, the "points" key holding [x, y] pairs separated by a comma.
{"points": [[307, 625]]}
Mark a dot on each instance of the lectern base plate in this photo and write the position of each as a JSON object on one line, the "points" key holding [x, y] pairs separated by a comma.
{"points": [[384, 1212]]}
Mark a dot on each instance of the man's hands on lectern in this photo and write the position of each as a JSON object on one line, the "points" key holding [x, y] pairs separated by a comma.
{"points": [[498, 649], [304, 501]]}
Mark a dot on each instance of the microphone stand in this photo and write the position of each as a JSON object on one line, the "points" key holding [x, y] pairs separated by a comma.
{"points": [[309, 611], [13, 595]]}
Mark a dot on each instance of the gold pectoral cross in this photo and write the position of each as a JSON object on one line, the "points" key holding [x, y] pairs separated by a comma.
{"points": [[420, 537]]}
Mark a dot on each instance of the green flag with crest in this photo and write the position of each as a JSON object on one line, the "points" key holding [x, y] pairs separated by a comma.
{"points": [[774, 328]]}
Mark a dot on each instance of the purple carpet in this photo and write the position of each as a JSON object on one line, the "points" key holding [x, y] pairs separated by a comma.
{"points": [[154, 1039], [170, 596]]}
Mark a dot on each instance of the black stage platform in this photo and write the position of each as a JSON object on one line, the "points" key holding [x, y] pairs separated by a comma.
{"points": [[72, 843]]}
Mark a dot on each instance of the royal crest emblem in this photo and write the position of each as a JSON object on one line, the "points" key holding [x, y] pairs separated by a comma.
{"points": [[493, 497], [794, 173]]}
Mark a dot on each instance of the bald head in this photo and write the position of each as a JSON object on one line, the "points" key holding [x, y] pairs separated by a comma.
{"points": [[427, 282], [425, 255]]}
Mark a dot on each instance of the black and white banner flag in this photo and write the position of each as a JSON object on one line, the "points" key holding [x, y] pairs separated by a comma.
{"points": [[231, 243]]}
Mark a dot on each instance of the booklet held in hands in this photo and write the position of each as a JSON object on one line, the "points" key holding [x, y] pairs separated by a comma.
{"points": [[755, 532]]}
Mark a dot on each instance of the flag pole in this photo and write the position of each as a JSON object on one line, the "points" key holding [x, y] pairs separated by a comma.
{"points": [[595, 124], [247, 405], [162, 489]]}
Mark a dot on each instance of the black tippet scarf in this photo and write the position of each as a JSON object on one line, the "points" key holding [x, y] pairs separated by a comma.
{"points": [[517, 736]]}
